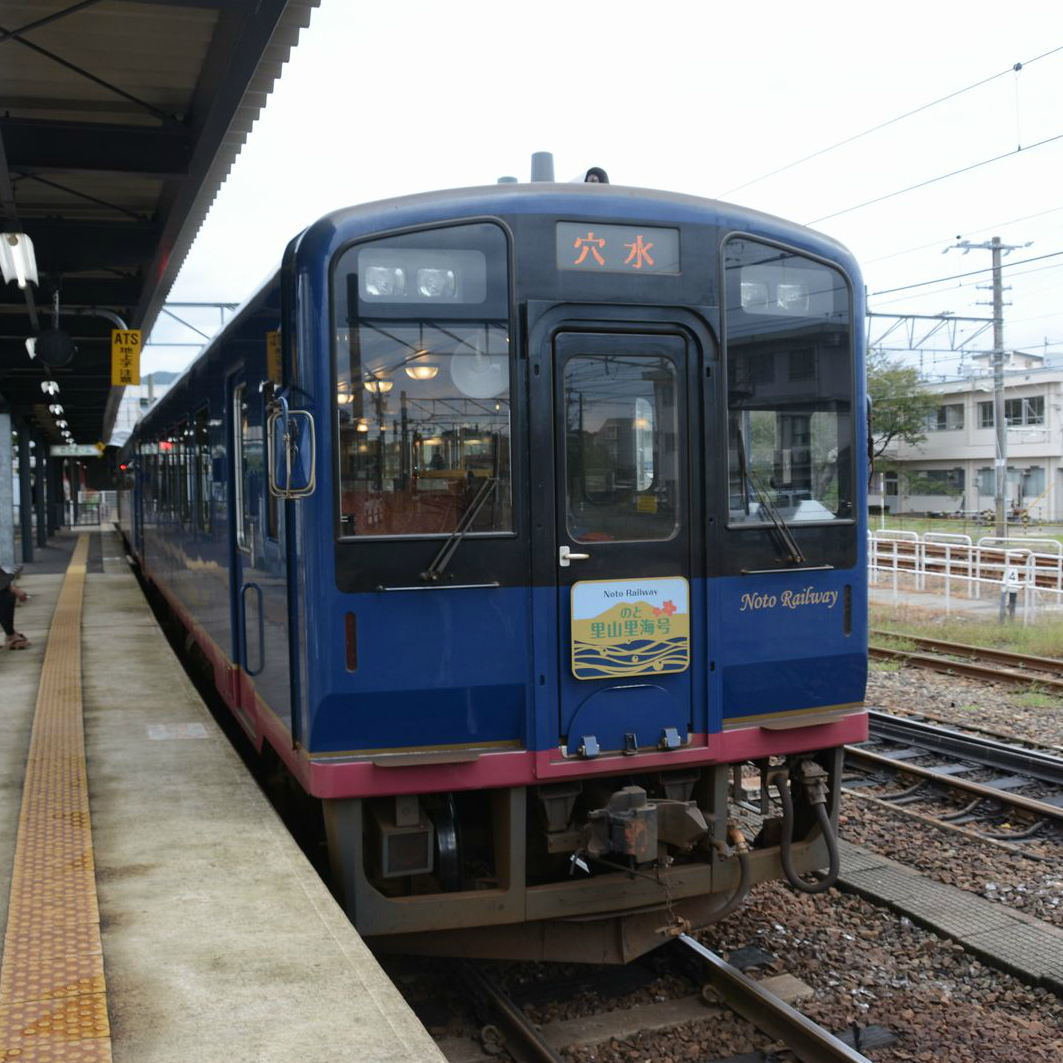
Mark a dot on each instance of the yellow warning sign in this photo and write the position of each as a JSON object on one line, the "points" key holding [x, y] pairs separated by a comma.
{"points": [[273, 357], [125, 356]]}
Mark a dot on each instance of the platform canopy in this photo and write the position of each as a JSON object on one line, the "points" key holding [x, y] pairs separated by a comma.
{"points": [[119, 120]]}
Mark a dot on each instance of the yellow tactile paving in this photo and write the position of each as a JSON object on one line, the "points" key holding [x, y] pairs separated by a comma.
{"points": [[53, 1005]]}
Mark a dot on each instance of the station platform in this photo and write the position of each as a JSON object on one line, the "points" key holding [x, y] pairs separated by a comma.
{"points": [[156, 909]]}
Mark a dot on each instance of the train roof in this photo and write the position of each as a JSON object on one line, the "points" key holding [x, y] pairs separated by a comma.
{"points": [[587, 200], [584, 200]]}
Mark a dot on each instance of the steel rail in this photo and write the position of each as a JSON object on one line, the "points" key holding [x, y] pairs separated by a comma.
{"points": [[985, 751], [809, 1042], [977, 653], [1026, 804], [976, 671], [524, 1040]]}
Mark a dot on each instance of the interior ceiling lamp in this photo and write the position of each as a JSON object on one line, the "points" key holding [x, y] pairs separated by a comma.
{"points": [[378, 385], [49, 387], [17, 259], [55, 409], [419, 368]]}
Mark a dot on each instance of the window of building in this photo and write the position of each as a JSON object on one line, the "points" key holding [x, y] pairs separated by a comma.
{"points": [[1033, 481], [890, 479], [1018, 413], [945, 418], [986, 482], [1027, 411], [936, 482]]}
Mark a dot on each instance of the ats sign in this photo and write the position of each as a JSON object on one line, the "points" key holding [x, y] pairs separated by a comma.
{"points": [[125, 357]]}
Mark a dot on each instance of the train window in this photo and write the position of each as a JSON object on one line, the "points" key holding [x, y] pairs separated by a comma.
{"points": [[789, 386], [423, 383], [202, 471], [271, 500], [621, 455], [183, 459], [247, 453]]}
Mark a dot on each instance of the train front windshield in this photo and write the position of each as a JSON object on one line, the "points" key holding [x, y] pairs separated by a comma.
{"points": [[789, 386], [422, 383]]}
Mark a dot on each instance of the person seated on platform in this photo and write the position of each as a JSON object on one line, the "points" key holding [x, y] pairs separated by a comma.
{"points": [[9, 594]]}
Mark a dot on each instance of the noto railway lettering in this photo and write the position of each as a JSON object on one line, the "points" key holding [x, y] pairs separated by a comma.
{"points": [[788, 600]]}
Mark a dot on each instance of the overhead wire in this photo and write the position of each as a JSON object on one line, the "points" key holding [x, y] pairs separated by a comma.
{"points": [[972, 232], [934, 180], [891, 121], [957, 276]]}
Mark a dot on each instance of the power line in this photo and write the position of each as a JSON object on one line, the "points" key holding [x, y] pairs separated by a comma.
{"points": [[882, 125], [957, 276], [934, 180], [974, 232]]}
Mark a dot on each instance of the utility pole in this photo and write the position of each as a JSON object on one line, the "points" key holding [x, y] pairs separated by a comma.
{"points": [[1001, 463]]}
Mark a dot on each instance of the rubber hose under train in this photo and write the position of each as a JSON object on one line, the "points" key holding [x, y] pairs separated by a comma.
{"points": [[781, 780], [737, 899]]}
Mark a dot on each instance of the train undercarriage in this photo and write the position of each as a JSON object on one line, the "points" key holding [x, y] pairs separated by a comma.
{"points": [[595, 870]]}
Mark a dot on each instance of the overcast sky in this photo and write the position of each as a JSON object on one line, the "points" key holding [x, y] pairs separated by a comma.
{"points": [[385, 99]]}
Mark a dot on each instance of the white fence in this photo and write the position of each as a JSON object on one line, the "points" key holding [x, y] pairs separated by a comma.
{"points": [[1004, 570]]}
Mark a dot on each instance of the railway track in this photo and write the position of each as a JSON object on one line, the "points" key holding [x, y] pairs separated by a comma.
{"points": [[957, 658], [773, 1017], [964, 754]]}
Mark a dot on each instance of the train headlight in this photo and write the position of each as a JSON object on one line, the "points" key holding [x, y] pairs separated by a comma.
{"points": [[383, 281], [437, 283]]}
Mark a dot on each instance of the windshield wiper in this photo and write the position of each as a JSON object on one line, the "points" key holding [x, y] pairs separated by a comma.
{"points": [[782, 529], [461, 529]]}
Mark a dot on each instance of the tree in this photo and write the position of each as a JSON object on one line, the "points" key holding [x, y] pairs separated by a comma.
{"points": [[899, 405]]}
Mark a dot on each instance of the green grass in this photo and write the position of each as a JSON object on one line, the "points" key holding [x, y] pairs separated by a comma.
{"points": [[1042, 638], [884, 666], [1035, 699]]}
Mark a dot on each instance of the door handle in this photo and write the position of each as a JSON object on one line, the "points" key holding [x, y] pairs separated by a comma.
{"points": [[565, 556]]}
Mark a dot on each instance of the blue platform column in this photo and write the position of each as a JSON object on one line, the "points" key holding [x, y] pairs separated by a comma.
{"points": [[40, 486], [7, 491], [25, 491], [55, 495]]}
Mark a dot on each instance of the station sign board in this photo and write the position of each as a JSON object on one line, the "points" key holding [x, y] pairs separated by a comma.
{"points": [[125, 356], [77, 450]]}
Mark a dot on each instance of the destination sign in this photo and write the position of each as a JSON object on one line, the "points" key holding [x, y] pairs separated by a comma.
{"points": [[595, 248]]}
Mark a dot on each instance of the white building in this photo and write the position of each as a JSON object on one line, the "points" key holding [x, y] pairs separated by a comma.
{"points": [[952, 470]]}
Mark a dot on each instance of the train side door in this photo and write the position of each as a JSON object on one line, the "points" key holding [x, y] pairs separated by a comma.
{"points": [[623, 541]]}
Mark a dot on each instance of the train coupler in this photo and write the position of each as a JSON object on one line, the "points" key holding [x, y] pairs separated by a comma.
{"points": [[632, 825]]}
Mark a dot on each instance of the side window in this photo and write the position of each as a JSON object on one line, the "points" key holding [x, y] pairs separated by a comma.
{"points": [[181, 456], [202, 471], [242, 514], [271, 500]]}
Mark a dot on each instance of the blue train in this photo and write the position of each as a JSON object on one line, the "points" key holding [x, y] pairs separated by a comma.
{"points": [[525, 525]]}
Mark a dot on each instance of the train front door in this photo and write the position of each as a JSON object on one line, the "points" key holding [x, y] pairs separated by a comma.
{"points": [[623, 541]]}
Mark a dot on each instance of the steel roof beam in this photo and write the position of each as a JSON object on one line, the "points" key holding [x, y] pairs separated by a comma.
{"points": [[34, 144], [66, 245], [83, 291]]}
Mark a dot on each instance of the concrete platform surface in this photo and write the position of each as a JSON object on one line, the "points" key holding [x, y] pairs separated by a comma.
{"points": [[1026, 947], [220, 942]]}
